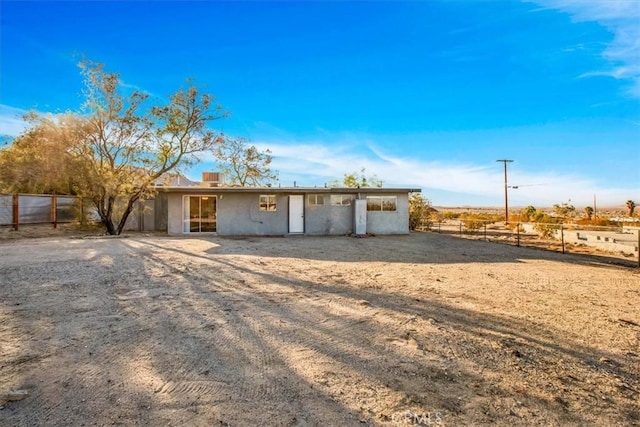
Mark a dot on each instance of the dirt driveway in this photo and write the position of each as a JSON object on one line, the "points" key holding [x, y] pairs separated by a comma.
{"points": [[424, 329]]}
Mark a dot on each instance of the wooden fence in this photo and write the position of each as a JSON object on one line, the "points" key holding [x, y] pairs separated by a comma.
{"points": [[17, 209]]}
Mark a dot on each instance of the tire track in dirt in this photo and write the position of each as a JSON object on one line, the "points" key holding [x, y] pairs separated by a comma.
{"points": [[195, 388], [79, 329], [343, 341], [245, 343], [244, 339], [201, 375]]}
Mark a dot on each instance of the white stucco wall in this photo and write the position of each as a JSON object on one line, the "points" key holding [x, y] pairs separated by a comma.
{"points": [[395, 222]]}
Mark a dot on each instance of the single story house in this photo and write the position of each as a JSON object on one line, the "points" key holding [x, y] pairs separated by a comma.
{"points": [[271, 211]]}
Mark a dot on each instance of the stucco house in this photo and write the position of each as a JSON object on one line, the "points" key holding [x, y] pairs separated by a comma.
{"points": [[185, 207], [268, 211]]}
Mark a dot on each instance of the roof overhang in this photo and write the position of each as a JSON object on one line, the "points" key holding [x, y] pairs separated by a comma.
{"points": [[287, 190]]}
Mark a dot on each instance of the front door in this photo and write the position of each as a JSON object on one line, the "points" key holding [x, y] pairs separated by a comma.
{"points": [[296, 214]]}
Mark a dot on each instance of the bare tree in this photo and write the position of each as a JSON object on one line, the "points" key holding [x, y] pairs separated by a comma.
{"points": [[244, 165]]}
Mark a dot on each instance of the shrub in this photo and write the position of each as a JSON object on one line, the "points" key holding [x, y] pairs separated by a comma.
{"points": [[477, 221], [546, 225], [419, 211], [450, 215]]}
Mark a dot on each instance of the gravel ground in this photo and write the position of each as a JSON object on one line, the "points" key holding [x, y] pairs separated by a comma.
{"points": [[307, 331]]}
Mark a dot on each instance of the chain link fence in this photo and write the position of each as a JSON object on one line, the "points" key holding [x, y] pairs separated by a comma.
{"points": [[622, 241]]}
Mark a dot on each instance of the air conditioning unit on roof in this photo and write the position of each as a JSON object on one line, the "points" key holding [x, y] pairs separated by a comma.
{"points": [[211, 179]]}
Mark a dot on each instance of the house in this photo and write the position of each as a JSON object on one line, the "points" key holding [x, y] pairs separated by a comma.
{"points": [[269, 211]]}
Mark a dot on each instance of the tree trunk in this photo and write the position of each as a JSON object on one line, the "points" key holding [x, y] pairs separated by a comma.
{"points": [[127, 212], [105, 217]]}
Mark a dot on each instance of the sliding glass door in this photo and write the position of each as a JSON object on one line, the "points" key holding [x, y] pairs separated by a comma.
{"points": [[199, 214]]}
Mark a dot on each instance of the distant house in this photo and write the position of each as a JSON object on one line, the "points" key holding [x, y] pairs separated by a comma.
{"points": [[175, 180], [269, 211]]}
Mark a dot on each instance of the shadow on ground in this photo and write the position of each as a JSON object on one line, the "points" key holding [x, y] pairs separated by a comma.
{"points": [[154, 331]]}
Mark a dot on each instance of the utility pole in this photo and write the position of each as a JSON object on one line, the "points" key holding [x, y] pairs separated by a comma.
{"points": [[506, 196]]}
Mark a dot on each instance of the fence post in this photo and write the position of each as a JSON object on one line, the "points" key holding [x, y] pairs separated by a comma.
{"points": [[461, 228], [54, 211], [16, 211], [438, 227], [518, 234], [562, 236], [485, 231]]}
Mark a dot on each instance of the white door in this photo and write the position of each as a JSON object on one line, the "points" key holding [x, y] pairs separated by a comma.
{"points": [[296, 214]]}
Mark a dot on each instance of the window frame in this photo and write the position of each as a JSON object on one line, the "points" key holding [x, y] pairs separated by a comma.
{"points": [[343, 197], [268, 203], [380, 201], [312, 199]]}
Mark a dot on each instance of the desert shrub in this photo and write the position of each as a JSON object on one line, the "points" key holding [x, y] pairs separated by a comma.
{"points": [[450, 215], [546, 225], [420, 211], [598, 222], [515, 225], [564, 210], [477, 221], [527, 214]]}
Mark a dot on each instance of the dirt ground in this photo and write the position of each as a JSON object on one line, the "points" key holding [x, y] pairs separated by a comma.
{"points": [[426, 329]]}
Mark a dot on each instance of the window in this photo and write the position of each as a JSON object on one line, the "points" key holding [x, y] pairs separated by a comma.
{"points": [[316, 199], [341, 199], [268, 203], [381, 203]]}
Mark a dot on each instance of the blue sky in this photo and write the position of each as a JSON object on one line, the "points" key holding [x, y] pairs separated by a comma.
{"points": [[425, 94]]}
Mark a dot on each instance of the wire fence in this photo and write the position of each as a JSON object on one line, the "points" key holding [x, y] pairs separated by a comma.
{"points": [[621, 241], [18, 209]]}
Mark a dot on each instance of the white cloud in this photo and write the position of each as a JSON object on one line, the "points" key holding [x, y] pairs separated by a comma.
{"points": [[622, 19], [11, 121], [446, 183], [132, 87]]}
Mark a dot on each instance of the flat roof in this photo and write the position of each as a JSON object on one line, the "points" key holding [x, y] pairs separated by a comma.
{"points": [[288, 190]]}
